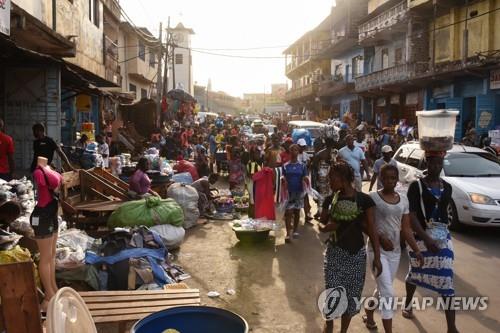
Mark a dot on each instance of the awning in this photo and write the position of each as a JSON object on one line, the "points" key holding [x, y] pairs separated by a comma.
{"points": [[96, 80]]}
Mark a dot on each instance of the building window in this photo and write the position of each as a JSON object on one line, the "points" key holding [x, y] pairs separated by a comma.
{"points": [[152, 58], [398, 56], [132, 87], [144, 93], [94, 12], [142, 51], [179, 59], [385, 58], [357, 66]]}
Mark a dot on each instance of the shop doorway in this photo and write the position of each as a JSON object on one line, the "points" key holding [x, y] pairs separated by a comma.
{"points": [[468, 114]]}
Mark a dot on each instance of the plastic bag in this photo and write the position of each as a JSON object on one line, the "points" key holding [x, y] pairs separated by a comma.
{"points": [[18, 254], [67, 258], [75, 239], [183, 177], [171, 236], [148, 212], [187, 197]]}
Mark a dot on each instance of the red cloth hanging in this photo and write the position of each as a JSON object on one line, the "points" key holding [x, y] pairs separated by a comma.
{"points": [[264, 194]]}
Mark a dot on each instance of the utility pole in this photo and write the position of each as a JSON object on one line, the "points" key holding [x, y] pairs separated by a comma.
{"points": [[167, 57], [173, 63], [158, 80]]}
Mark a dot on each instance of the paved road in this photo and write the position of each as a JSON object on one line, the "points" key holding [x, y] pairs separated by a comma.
{"points": [[277, 284]]}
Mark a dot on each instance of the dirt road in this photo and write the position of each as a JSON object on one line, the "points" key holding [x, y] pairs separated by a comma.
{"points": [[277, 284]]}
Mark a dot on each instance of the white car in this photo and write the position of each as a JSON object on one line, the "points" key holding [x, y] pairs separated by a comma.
{"points": [[474, 175]]}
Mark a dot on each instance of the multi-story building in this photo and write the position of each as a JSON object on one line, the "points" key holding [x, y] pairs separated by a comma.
{"points": [[464, 60], [390, 58], [52, 60], [181, 64], [306, 71], [336, 90], [395, 42], [139, 51]]}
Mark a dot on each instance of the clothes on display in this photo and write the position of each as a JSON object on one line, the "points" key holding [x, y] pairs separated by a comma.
{"points": [[264, 197]]}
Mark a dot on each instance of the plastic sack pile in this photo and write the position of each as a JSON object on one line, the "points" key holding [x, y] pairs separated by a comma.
{"points": [[148, 212]]}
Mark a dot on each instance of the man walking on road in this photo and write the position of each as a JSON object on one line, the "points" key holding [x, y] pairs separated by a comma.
{"points": [[6, 154], [377, 166], [355, 157]]}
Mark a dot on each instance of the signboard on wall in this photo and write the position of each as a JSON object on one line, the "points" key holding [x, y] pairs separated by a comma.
{"points": [[5, 17], [495, 79], [485, 118]]}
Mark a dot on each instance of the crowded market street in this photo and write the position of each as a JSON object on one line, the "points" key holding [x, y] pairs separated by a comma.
{"points": [[258, 166]]}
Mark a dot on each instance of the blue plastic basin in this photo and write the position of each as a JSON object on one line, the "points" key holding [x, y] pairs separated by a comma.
{"points": [[192, 319]]}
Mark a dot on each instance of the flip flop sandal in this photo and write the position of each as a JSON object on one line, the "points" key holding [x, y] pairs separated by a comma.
{"points": [[370, 326], [408, 314]]}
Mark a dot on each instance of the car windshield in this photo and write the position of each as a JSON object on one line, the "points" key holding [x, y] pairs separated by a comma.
{"points": [[470, 165], [315, 132]]}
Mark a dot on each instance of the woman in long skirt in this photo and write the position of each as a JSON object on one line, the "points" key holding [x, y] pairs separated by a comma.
{"points": [[429, 199], [346, 214]]}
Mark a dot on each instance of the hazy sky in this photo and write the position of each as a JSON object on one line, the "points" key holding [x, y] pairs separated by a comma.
{"points": [[235, 24]]}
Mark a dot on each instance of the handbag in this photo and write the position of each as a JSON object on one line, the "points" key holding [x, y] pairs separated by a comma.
{"points": [[436, 230]]}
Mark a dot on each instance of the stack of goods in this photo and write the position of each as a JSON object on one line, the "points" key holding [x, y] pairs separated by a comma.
{"points": [[241, 203], [187, 197], [90, 157], [20, 191], [224, 204], [125, 259], [135, 259], [153, 155]]}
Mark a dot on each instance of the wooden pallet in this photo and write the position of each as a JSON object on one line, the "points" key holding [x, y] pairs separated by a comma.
{"points": [[132, 305]]}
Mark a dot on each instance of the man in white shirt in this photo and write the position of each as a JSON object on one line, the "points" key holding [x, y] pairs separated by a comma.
{"points": [[103, 149], [355, 157], [377, 166]]}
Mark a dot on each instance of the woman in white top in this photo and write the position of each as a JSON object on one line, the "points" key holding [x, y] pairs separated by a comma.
{"points": [[391, 217]]}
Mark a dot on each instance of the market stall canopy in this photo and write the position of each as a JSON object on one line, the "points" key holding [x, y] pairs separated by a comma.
{"points": [[181, 95]]}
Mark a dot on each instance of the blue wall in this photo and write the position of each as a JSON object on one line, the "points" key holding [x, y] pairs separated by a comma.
{"points": [[468, 96]]}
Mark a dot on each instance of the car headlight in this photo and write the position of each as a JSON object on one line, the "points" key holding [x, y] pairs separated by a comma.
{"points": [[481, 199]]}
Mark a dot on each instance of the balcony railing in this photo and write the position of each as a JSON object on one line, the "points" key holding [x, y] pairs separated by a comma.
{"points": [[304, 92], [391, 75], [335, 84], [297, 62], [385, 20], [111, 63]]}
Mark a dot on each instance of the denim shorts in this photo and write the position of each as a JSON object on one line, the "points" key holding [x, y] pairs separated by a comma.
{"points": [[44, 220], [295, 200]]}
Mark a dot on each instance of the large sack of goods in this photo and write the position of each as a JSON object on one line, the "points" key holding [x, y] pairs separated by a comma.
{"points": [[187, 197], [171, 236], [149, 212]]}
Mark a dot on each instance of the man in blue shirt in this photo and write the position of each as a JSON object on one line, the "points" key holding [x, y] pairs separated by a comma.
{"points": [[355, 157], [294, 173]]}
